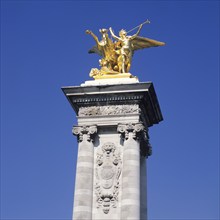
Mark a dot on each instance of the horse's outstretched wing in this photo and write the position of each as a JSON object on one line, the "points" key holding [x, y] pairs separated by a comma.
{"points": [[96, 50]]}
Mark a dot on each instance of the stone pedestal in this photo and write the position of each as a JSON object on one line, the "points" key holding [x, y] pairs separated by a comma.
{"points": [[112, 131]]}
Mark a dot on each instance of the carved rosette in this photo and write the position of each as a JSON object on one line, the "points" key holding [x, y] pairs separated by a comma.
{"points": [[109, 110], [86, 132], [108, 172]]}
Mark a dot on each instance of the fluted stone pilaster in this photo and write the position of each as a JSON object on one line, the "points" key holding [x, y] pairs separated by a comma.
{"points": [[130, 203], [84, 173]]}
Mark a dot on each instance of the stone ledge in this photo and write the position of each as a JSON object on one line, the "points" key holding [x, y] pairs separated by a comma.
{"points": [[141, 94]]}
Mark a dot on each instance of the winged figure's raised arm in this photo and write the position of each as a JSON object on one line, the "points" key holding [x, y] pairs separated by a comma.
{"points": [[135, 35], [113, 35]]}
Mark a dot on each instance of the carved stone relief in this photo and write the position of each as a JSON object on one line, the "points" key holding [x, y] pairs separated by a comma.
{"points": [[107, 179], [108, 110]]}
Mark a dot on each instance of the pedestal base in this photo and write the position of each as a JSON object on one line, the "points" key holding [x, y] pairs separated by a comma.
{"points": [[112, 81], [113, 120]]}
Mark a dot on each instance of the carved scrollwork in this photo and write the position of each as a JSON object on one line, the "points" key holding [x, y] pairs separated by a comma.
{"points": [[108, 110], [84, 131], [108, 172]]}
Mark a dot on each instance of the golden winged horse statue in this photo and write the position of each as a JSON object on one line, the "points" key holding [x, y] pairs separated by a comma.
{"points": [[117, 56]]}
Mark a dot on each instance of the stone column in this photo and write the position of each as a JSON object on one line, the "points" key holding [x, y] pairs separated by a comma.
{"points": [[146, 151], [130, 203], [84, 173], [143, 188]]}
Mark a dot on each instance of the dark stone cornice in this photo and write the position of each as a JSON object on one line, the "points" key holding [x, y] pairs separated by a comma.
{"points": [[142, 94]]}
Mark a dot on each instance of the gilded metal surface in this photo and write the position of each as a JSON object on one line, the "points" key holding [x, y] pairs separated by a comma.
{"points": [[117, 56]]}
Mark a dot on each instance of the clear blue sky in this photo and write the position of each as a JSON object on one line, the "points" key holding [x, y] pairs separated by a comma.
{"points": [[44, 47]]}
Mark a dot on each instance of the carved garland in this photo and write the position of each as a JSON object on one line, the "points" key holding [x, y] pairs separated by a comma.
{"points": [[108, 110]]}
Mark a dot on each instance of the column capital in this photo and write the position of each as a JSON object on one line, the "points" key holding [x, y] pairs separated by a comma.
{"points": [[133, 128], [84, 132], [137, 131]]}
